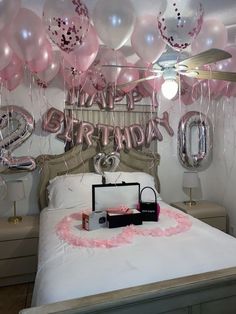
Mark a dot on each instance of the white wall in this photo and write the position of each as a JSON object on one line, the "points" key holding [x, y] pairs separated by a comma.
{"points": [[217, 182]]}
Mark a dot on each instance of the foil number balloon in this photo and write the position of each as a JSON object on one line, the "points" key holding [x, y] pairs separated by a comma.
{"points": [[16, 125], [195, 141], [104, 162]]}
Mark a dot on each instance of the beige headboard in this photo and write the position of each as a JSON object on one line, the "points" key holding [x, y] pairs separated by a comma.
{"points": [[77, 160]]}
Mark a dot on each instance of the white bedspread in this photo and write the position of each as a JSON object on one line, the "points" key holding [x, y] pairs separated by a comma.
{"points": [[66, 272]]}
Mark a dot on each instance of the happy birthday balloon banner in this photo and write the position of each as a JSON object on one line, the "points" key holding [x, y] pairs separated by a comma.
{"points": [[81, 132], [107, 99]]}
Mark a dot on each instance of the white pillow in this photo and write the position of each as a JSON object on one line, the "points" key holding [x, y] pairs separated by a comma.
{"points": [[143, 178], [72, 190]]}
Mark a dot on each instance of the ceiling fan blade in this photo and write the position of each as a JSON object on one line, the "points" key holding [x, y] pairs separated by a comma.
{"points": [[154, 70], [212, 75], [138, 81], [206, 57]]}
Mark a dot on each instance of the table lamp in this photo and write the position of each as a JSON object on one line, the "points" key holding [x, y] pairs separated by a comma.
{"points": [[15, 192], [190, 181]]}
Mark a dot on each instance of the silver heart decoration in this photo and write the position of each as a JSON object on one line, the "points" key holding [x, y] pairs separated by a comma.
{"points": [[106, 162]]}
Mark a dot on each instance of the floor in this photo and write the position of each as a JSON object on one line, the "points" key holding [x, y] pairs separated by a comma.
{"points": [[15, 298]]}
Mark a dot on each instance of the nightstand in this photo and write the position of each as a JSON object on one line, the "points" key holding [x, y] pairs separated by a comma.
{"points": [[208, 212], [18, 250]]}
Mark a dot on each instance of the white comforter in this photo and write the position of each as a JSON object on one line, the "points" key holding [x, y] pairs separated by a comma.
{"points": [[66, 272]]}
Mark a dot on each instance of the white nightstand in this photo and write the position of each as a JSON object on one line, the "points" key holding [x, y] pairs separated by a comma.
{"points": [[210, 213], [18, 250]]}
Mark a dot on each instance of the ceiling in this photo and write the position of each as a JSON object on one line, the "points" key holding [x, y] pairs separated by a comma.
{"points": [[223, 10]]}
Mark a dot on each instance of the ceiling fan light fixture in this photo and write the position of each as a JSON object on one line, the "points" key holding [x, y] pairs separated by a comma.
{"points": [[169, 88]]}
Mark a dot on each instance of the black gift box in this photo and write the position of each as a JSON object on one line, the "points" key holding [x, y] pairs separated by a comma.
{"points": [[115, 196], [117, 220]]}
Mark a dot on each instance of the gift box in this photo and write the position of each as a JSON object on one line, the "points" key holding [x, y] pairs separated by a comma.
{"points": [[118, 196], [120, 220], [94, 220]]}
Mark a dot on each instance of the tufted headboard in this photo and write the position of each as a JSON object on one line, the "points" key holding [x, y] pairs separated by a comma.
{"points": [[77, 160]]}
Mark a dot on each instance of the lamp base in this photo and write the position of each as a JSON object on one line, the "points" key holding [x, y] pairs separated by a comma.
{"points": [[15, 219], [190, 203]]}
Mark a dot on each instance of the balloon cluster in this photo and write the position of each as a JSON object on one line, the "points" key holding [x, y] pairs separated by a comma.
{"points": [[83, 133], [26, 40]]}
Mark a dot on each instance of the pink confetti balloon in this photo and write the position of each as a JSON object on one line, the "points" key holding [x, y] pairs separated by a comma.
{"points": [[66, 22], [93, 81], [26, 35], [84, 55], [72, 76], [180, 23]]}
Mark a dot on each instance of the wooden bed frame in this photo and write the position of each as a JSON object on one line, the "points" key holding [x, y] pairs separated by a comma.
{"points": [[207, 293]]}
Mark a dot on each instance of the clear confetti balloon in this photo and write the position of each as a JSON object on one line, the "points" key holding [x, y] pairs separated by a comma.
{"points": [[66, 22], [180, 23]]}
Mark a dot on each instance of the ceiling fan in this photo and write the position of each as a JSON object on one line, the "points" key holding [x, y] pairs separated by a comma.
{"points": [[171, 65]]}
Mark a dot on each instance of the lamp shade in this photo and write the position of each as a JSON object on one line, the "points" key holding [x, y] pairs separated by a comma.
{"points": [[190, 179], [15, 190]]}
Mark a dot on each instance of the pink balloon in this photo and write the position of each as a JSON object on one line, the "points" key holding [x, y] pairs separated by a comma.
{"points": [[153, 85], [14, 67], [52, 70], [127, 75], [213, 35], [6, 52], [14, 81], [43, 58], [146, 39], [26, 34], [84, 55], [113, 58], [66, 22], [8, 10], [142, 90]]}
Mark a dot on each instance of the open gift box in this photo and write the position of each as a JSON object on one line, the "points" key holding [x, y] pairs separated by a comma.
{"points": [[107, 197]]}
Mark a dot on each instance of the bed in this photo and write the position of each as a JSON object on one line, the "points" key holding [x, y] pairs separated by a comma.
{"points": [[177, 265]]}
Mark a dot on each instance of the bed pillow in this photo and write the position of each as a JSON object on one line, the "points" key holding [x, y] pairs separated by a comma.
{"points": [[72, 190], [144, 179]]}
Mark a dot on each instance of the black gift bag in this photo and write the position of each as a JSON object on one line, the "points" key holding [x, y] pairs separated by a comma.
{"points": [[149, 210]]}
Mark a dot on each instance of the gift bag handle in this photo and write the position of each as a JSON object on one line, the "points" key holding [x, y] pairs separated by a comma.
{"points": [[148, 187]]}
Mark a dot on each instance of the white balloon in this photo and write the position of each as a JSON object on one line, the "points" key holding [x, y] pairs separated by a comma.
{"points": [[114, 21], [8, 10]]}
